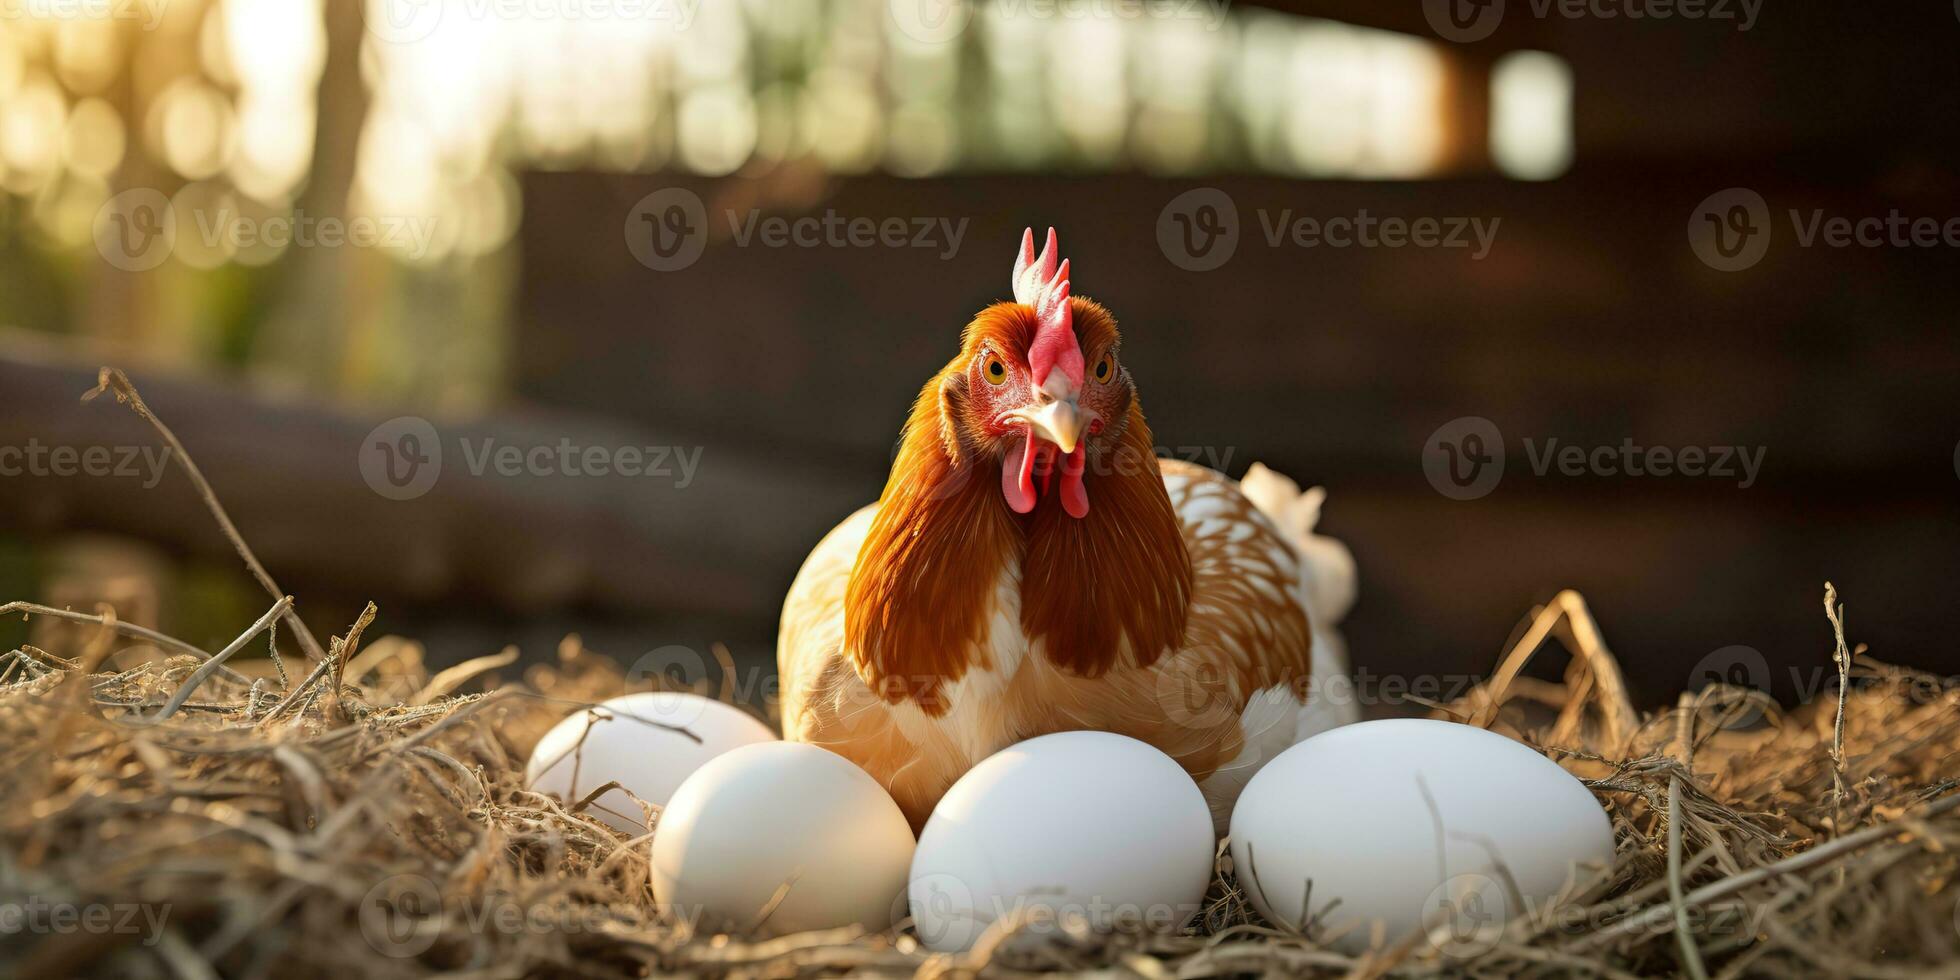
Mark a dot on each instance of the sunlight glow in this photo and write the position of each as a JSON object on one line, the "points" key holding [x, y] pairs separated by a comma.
{"points": [[467, 94], [30, 133], [93, 143], [1531, 115]]}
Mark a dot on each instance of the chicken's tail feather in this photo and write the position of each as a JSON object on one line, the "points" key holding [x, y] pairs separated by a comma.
{"points": [[1326, 565], [1327, 590]]}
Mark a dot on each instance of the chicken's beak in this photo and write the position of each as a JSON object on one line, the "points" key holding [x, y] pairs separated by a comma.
{"points": [[1058, 421]]}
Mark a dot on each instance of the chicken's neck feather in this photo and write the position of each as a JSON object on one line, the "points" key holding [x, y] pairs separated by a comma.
{"points": [[922, 589], [1111, 587]]}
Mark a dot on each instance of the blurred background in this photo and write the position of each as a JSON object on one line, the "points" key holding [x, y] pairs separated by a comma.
{"points": [[356, 253]]}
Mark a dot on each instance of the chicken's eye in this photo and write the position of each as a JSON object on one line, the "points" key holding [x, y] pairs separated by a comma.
{"points": [[995, 370], [1104, 369]]}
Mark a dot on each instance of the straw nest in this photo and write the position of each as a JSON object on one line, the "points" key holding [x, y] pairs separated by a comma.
{"points": [[168, 812]]}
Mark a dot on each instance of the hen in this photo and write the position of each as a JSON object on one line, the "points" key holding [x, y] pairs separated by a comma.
{"points": [[1033, 567]]}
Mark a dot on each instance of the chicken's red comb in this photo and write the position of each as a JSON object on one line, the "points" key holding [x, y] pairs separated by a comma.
{"points": [[1040, 283]]}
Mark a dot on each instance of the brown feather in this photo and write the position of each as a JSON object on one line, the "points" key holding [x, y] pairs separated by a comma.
{"points": [[1114, 587], [920, 590], [1140, 618]]}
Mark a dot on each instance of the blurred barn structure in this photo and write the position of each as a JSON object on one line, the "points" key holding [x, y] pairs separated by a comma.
{"points": [[1586, 144]]}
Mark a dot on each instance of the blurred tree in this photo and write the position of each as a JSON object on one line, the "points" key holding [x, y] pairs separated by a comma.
{"points": [[326, 296]]}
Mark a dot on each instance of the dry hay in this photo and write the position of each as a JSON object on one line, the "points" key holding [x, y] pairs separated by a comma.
{"points": [[367, 818]]}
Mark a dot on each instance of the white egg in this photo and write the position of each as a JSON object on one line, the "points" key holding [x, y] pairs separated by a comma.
{"points": [[1408, 821], [784, 813], [633, 740], [1075, 827]]}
